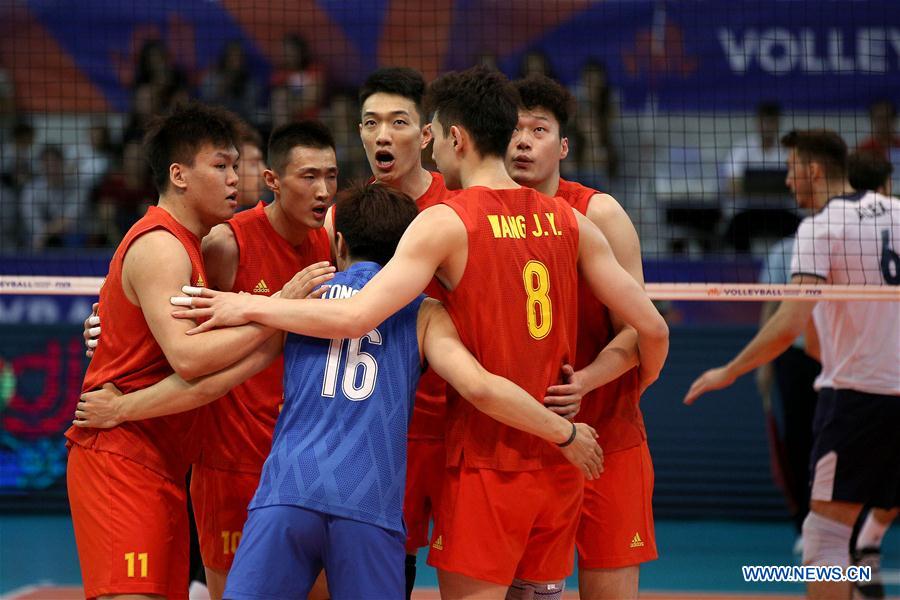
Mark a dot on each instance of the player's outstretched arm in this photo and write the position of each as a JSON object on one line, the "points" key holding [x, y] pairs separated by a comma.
{"points": [[155, 269], [424, 247], [108, 407], [624, 296], [775, 337], [499, 397]]}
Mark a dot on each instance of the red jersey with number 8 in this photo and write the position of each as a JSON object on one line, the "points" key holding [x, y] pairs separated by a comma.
{"points": [[516, 310]]}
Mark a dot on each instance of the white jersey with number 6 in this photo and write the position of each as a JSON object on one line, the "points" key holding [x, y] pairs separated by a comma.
{"points": [[855, 240]]}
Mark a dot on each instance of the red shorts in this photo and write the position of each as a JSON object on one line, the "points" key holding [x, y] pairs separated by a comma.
{"points": [[425, 468], [616, 528], [220, 500], [500, 525], [131, 526]]}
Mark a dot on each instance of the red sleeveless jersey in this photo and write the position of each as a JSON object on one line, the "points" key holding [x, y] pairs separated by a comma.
{"points": [[130, 358], [240, 424], [515, 310], [613, 409]]}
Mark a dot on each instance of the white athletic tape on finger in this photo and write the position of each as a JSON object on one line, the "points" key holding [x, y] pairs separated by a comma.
{"points": [[181, 300], [93, 320], [191, 290], [92, 343], [94, 331]]}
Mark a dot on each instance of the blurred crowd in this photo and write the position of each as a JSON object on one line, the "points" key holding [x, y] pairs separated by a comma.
{"points": [[86, 193]]}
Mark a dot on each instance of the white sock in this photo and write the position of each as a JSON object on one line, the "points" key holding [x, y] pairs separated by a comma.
{"points": [[871, 533]]}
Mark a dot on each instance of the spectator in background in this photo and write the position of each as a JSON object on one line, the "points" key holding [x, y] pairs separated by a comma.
{"points": [[342, 117], [124, 194], [534, 62], [19, 157], [759, 151], [10, 221], [230, 83], [595, 153], [251, 184], [52, 204], [92, 159], [299, 81], [7, 99], [155, 69], [486, 59], [884, 140], [145, 103]]}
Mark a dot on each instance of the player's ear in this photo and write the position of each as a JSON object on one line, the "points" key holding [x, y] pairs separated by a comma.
{"points": [[427, 136], [178, 176], [341, 251], [271, 179], [457, 135], [563, 148]]}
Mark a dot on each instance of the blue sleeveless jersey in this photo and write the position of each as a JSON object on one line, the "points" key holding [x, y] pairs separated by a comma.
{"points": [[340, 441]]}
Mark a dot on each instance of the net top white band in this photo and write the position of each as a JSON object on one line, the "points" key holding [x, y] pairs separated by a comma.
{"points": [[732, 292]]}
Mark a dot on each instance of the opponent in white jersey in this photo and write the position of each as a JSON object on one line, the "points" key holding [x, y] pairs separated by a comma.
{"points": [[851, 239]]}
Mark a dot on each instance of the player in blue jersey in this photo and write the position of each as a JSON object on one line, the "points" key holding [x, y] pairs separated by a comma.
{"points": [[331, 492]]}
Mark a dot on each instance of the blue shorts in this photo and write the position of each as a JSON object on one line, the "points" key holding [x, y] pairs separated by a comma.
{"points": [[284, 548]]}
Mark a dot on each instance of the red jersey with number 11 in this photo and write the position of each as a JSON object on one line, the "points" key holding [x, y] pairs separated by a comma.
{"points": [[516, 310], [130, 358]]}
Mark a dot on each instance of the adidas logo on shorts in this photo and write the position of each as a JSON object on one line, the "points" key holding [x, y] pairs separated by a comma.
{"points": [[438, 543], [261, 287], [636, 541]]}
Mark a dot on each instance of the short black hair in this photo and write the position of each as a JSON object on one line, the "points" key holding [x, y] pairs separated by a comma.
{"points": [[399, 81], [820, 145], [307, 134], [868, 170], [179, 135], [480, 99], [541, 91], [372, 218]]}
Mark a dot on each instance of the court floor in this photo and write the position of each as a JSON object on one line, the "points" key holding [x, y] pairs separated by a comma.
{"points": [[698, 559]]}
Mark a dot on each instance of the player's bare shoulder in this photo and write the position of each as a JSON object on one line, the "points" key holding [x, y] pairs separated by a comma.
{"points": [[610, 217], [605, 211], [221, 257], [146, 254]]}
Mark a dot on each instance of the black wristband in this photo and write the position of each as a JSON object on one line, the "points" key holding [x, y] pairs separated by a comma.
{"points": [[571, 437]]}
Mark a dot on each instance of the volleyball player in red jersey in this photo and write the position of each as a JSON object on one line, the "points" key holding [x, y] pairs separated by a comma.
{"points": [[258, 251], [126, 484], [509, 258], [616, 531], [394, 132]]}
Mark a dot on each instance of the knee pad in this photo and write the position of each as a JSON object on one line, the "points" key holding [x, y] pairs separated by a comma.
{"points": [[825, 542], [527, 590]]}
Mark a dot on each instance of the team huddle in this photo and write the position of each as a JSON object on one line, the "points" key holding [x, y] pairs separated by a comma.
{"points": [[436, 375], [466, 347]]}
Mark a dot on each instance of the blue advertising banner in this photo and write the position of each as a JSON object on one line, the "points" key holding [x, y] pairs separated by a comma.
{"points": [[676, 54]]}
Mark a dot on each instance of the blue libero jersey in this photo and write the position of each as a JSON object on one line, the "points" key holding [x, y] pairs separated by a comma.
{"points": [[340, 441]]}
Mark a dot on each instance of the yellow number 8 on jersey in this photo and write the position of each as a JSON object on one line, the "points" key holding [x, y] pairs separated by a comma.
{"points": [[538, 308]]}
